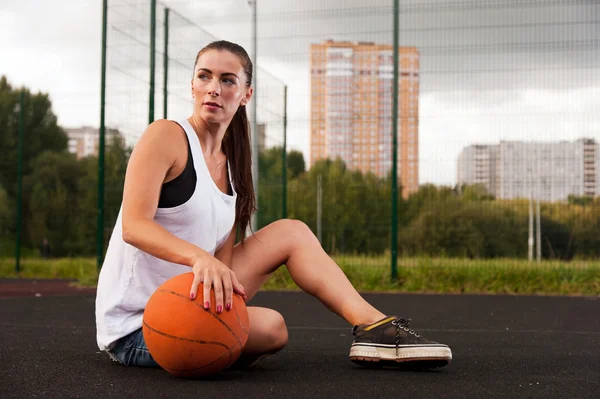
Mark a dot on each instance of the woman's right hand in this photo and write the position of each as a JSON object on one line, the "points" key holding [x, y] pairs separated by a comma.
{"points": [[215, 274]]}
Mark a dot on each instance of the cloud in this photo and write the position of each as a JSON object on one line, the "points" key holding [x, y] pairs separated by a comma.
{"points": [[490, 71]]}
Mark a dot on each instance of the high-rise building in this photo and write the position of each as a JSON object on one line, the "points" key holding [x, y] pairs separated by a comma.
{"points": [[478, 164], [84, 141], [351, 108], [550, 171], [262, 136]]}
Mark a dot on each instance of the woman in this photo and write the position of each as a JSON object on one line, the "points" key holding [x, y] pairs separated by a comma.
{"points": [[188, 190]]}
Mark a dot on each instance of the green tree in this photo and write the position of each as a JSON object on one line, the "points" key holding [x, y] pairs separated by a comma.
{"points": [[53, 197], [475, 192], [41, 131], [6, 224], [425, 198], [580, 199], [295, 164], [503, 230], [440, 230], [270, 201], [353, 219], [116, 158]]}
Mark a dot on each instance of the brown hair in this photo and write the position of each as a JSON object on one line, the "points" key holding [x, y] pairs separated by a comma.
{"points": [[236, 143]]}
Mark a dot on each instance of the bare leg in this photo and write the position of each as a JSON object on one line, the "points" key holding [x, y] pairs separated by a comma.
{"points": [[268, 335], [292, 243]]}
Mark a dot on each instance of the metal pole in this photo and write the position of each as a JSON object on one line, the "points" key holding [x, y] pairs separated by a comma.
{"points": [[530, 236], [166, 65], [394, 243], [100, 220], [319, 206], [538, 227], [255, 148], [20, 180], [152, 59], [538, 232], [284, 154]]}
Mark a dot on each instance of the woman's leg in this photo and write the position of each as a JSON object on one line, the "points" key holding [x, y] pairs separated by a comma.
{"points": [[268, 335], [292, 243]]}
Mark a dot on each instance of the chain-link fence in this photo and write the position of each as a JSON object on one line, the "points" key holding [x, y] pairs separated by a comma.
{"points": [[498, 134]]}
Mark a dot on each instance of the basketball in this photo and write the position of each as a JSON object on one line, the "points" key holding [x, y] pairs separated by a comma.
{"points": [[187, 340]]}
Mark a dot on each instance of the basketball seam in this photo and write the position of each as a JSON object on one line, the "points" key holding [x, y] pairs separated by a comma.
{"points": [[209, 311], [237, 316], [201, 367], [196, 341]]}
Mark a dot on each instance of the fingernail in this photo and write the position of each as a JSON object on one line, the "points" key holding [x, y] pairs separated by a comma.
{"points": [[206, 305], [219, 309], [192, 296], [228, 306]]}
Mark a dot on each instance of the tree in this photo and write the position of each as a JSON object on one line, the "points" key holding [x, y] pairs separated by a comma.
{"points": [[41, 131], [116, 159], [270, 190], [295, 164], [579, 199], [53, 202], [475, 192], [6, 224]]}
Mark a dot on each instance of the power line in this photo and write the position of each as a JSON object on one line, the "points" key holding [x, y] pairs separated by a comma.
{"points": [[433, 29], [409, 8]]}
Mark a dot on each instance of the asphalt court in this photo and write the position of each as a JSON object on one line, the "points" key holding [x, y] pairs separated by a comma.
{"points": [[503, 346]]}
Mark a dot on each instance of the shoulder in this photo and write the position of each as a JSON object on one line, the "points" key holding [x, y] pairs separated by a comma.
{"points": [[163, 129], [164, 136]]}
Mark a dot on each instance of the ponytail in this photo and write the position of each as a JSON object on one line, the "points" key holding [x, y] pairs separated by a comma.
{"points": [[237, 149]]}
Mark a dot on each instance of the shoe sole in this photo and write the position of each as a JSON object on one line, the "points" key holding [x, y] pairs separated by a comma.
{"points": [[430, 356]]}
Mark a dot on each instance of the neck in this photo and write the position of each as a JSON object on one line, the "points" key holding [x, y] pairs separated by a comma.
{"points": [[210, 134]]}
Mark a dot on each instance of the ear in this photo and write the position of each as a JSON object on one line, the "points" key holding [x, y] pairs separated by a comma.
{"points": [[192, 85], [247, 97]]}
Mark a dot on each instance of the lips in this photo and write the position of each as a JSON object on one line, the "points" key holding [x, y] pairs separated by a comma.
{"points": [[211, 104]]}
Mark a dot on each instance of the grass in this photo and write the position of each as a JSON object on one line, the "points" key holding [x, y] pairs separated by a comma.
{"points": [[423, 275]]}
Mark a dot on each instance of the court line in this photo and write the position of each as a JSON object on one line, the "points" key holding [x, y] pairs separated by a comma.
{"points": [[349, 329], [454, 330]]}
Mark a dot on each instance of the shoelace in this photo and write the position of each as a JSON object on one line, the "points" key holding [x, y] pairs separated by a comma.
{"points": [[404, 324]]}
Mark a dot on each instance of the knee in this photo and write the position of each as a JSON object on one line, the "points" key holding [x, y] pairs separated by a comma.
{"points": [[277, 332], [295, 228]]}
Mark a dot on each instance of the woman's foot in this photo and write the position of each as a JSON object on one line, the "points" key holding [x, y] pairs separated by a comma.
{"points": [[392, 341]]}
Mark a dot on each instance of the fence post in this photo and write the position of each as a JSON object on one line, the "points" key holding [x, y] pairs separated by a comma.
{"points": [[394, 243], [20, 180], [166, 65], [100, 221]]}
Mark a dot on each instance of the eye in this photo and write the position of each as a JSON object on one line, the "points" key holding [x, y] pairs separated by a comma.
{"points": [[203, 76], [228, 81]]}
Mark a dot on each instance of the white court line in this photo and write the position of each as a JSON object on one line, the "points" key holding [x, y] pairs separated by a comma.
{"points": [[349, 329], [452, 330]]}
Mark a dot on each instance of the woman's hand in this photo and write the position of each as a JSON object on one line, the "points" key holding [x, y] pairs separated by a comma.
{"points": [[215, 274]]}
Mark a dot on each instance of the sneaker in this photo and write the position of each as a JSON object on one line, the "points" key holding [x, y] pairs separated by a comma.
{"points": [[392, 341]]}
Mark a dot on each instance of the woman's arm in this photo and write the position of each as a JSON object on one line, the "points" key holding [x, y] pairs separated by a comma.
{"points": [[151, 162], [225, 253], [153, 157]]}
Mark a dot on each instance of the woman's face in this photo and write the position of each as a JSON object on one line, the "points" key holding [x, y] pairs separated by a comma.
{"points": [[219, 86]]}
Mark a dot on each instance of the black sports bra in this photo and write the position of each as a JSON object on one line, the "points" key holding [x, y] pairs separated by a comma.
{"points": [[179, 190]]}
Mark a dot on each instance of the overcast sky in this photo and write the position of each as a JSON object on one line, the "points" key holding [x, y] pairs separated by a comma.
{"points": [[490, 71]]}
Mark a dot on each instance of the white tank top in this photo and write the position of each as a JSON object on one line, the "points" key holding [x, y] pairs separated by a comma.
{"points": [[129, 276]]}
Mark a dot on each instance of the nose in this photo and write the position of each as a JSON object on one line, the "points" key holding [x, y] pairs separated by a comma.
{"points": [[214, 88]]}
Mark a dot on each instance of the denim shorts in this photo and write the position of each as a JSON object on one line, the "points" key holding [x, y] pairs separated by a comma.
{"points": [[131, 350]]}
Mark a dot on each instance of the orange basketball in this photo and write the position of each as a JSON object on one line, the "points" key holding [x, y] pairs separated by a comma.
{"points": [[187, 340]]}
